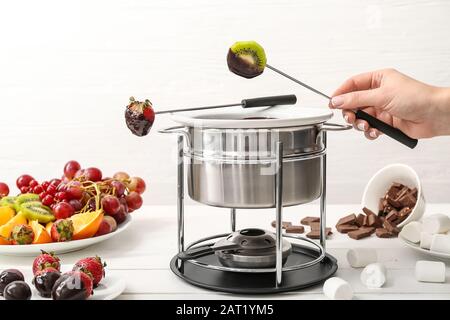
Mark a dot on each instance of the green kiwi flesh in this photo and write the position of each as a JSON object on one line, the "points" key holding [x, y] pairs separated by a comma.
{"points": [[8, 202], [37, 211], [246, 59], [24, 198]]}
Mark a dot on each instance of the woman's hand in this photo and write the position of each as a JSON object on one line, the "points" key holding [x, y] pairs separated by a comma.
{"points": [[417, 109]]}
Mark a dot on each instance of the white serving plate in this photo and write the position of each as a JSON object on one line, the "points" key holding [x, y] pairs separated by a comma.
{"points": [[109, 288], [233, 118], [60, 247], [430, 253]]}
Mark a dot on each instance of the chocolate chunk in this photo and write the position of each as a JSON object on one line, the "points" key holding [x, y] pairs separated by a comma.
{"points": [[350, 219], [381, 205], [314, 226], [392, 215], [414, 192], [404, 212], [306, 221], [373, 221], [408, 200], [346, 228], [383, 233], [295, 229], [391, 227], [315, 234], [284, 224], [365, 221], [368, 212], [360, 220], [361, 233]]}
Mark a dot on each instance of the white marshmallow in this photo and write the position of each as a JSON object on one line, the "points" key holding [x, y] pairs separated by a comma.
{"points": [[411, 232], [430, 271], [337, 289], [440, 243], [361, 257], [436, 223], [425, 240], [374, 275]]}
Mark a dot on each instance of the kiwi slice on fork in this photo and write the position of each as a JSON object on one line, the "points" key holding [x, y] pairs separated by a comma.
{"points": [[246, 59]]}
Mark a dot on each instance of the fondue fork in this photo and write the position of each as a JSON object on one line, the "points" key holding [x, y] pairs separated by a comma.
{"points": [[389, 130]]}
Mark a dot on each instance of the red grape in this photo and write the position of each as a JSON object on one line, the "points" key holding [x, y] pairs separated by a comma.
{"points": [[51, 189], [45, 184], [42, 195], [93, 174], [38, 189], [61, 196], [137, 184], [4, 190], [92, 204], [24, 189], [119, 188], [71, 168], [111, 205], [75, 192], [121, 215], [55, 182], [63, 210], [134, 200], [24, 181], [76, 204], [33, 184], [48, 200], [121, 176]]}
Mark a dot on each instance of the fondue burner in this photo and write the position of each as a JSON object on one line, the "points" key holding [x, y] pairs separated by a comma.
{"points": [[254, 261]]}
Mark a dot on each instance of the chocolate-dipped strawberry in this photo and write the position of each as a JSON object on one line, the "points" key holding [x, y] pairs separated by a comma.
{"points": [[139, 117], [45, 280]]}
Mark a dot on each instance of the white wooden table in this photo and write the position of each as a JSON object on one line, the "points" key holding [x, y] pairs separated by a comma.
{"points": [[141, 254]]}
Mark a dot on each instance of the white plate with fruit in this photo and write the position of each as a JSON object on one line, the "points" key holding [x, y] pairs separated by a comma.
{"points": [[48, 279], [69, 214]]}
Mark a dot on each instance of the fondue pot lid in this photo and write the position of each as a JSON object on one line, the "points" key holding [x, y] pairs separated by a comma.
{"points": [[254, 118]]}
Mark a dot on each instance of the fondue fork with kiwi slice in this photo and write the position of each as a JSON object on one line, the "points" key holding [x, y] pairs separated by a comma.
{"points": [[248, 59]]}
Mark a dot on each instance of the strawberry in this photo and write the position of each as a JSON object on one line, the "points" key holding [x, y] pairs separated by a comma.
{"points": [[44, 261], [93, 266], [62, 230], [139, 117], [73, 285]]}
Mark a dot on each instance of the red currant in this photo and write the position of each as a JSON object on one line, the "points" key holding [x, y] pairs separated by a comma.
{"points": [[45, 184], [33, 184], [51, 189], [38, 189]]}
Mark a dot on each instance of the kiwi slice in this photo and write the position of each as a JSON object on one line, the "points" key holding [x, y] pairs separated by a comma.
{"points": [[37, 211], [8, 202], [246, 59], [24, 198]]}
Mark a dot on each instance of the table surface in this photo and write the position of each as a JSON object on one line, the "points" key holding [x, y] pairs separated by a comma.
{"points": [[141, 254]]}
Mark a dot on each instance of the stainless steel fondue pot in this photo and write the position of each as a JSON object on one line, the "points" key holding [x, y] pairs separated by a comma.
{"points": [[231, 155]]}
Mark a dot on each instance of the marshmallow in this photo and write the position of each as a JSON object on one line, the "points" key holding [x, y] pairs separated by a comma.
{"points": [[436, 223], [425, 240], [337, 289], [411, 232], [374, 275], [361, 257], [440, 243], [430, 271]]}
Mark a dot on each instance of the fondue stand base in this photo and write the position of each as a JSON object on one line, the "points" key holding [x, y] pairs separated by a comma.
{"points": [[306, 266]]}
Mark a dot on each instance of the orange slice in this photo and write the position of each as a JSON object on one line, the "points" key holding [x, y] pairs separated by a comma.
{"points": [[4, 241], [5, 230], [48, 227], [6, 214], [86, 224], [40, 233]]}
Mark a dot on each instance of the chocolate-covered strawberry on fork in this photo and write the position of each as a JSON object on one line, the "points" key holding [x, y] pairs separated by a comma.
{"points": [[139, 117]]}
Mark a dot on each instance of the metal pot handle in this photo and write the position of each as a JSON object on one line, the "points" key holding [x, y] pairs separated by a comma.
{"points": [[177, 130], [335, 127]]}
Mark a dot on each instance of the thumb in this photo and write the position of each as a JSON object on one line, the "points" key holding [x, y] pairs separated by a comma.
{"points": [[358, 99]]}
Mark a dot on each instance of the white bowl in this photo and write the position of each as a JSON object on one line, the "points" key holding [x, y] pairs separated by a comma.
{"points": [[381, 181]]}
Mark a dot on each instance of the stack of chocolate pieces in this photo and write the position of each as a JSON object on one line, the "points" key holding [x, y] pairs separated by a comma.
{"points": [[364, 225], [312, 222], [398, 202]]}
